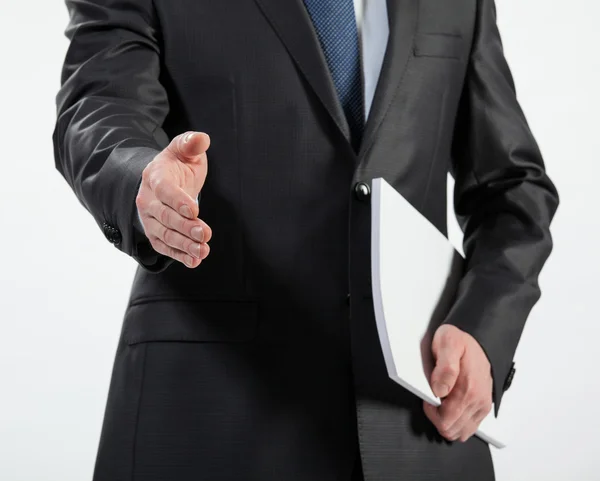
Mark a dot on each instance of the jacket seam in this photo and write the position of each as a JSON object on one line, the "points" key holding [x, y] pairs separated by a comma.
{"points": [[438, 139]]}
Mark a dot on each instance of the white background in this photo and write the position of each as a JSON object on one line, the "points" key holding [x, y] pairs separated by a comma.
{"points": [[63, 287]]}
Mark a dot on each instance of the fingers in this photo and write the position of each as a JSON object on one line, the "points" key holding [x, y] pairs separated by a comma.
{"points": [[479, 416], [466, 425], [173, 244], [195, 229], [164, 249], [450, 417], [462, 429], [454, 412], [175, 197], [456, 420], [190, 146], [447, 350], [472, 425], [432, 414], [462, 378], [461, 412]]}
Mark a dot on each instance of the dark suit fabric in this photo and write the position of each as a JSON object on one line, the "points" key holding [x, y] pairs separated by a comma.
{"points": [[263, 363]]}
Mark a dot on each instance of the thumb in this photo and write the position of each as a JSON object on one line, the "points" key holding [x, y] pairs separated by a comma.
{"points": [[447, 350], [190, 146]]}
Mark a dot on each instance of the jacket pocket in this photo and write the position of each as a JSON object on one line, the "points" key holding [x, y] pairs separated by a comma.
{"points": [[190, 321], [440, 45]]}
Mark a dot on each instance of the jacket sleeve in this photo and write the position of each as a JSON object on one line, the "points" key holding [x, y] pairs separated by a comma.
{"points": [[504, 202], [110, 108]]}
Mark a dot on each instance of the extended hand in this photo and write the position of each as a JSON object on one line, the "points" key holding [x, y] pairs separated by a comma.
{"points": [[462, 377], [167, 197]]}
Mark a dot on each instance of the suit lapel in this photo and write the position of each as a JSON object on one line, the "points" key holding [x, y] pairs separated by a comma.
{"points": [[291, 22], [402, 15]]}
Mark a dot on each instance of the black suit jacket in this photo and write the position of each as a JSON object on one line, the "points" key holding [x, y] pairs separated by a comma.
{"points": [[264, 363]]}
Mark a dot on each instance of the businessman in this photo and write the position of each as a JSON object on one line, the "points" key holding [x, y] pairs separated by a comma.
{"points": [[229, 148]]}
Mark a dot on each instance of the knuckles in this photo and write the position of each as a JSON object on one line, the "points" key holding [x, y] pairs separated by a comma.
{"points": [[163, 215], [155, 181], [153, 175], [140, 201], [157, 246], [486, 406], [150, 176], [448, 434], [470, 389], [444, 429], [168, 237]]}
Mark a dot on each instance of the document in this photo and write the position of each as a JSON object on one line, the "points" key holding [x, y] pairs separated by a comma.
{"points": [[415, 274]]}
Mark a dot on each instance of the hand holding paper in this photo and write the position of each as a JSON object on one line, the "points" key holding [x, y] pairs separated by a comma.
{"points": [[462, 378]]}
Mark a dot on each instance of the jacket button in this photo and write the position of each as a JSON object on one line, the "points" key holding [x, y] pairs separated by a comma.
{"points": [[510, 377], [112, 234], [362, 191]]}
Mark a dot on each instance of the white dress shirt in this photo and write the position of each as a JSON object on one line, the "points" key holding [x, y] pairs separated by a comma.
{"points": [[373, 32]]}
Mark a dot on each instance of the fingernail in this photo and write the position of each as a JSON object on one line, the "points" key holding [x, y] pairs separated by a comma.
{"points": [[189, 261], [198, 233], [185, 211], [195, 250], [187, 138], [441, 389]]}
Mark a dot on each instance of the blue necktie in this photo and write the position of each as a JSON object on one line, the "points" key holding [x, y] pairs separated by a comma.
{"points": [[335, 24]]}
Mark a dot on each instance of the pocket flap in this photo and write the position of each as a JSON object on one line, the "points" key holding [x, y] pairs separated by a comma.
{"points": [[438, 45], [192, 321]]}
